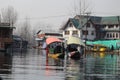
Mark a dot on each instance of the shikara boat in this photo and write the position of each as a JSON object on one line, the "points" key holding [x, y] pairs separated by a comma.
{"points": [[99, 48], [75, 47], [55, 47]]}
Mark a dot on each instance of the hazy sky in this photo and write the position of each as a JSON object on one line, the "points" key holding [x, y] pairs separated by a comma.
{"points": [[56, 12]]}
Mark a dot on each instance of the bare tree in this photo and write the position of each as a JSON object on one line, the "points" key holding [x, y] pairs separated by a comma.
{"points": [[9, 15], [83, 10], [25, 30], [83, 6]]}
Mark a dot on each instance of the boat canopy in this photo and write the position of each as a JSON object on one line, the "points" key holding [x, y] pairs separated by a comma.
{"points": [[50, 40], [108, 43], [75, 40]]}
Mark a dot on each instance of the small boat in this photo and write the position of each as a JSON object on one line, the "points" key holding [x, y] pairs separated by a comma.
{"points": [[56, 52], [55, 56], [75, 47], [99, 48], [55, 48]]}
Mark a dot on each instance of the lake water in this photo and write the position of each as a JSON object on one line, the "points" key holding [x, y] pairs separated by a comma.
{"points": [[35, 65]]}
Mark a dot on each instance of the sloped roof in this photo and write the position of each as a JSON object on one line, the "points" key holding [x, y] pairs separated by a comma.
{"points": [[101, 20], [75, 22], [94, 19], [79, 21], [6, 25], [83, 22], [109, 20], [79, 24]]}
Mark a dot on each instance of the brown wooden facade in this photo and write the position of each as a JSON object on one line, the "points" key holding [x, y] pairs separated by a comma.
{"points": [[5, 35]]}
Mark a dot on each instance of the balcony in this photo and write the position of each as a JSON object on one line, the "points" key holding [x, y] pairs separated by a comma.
{"points": [[110, 29], [6, 40]]}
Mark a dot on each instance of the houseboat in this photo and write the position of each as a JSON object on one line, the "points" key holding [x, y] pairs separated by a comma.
{"points": [[19, 44], [5, 36]]}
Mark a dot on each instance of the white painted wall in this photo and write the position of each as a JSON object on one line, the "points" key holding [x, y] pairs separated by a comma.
{"points": [[71, 29], [89, 36]]}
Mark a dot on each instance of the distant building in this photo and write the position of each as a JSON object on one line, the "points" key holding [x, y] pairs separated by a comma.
{"points": [[108, 28], [92, 27], [83, 29], [41, 37], [6, 32], [19, 44]]}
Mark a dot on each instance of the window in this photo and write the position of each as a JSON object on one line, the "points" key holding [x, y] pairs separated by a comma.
{"points": [[113, 35], [70, 24], [117, 26], [107, 35], [110, 26], [67, 32], [116, 35], [88, 25], [85, 32], [110, 35], [74, 32], [92, 33]]}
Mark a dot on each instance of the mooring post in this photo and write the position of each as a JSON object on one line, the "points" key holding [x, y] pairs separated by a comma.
{"points": [[65, 57]]}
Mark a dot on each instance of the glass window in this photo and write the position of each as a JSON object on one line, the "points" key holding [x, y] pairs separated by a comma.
{"points": [[92, 33], [88, 25], [85, 32], [117, 26], [116, 35], [113, 35], [70, 24], [74, 32], [107, 35], [110, 26], [110, 35], [67, 32]]}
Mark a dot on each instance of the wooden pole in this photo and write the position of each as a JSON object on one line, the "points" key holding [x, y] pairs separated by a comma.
{"points": [[119, 28], [86, 31], [65, 57], [21, 45]]}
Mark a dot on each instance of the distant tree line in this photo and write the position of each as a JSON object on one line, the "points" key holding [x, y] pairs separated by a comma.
{"points": [[24, 28]]}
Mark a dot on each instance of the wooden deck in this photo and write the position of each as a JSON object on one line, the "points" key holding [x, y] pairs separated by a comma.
{"points": [[6, 40]]}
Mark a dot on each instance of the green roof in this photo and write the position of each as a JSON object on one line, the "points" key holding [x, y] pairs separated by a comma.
{"points": [[109, 20], [95, 19], [77, 24], [83, 22], [102, 19]]}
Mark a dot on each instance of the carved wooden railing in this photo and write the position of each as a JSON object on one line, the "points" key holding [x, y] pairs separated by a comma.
{"points": [[6, 40]]}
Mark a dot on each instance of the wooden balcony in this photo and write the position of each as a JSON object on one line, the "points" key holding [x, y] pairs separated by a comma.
{"points": [[6, 40]]}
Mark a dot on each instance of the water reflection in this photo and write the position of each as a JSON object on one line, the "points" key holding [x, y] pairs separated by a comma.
{"points": [[34, 65], [96, 66], [72, 69], [54, 64], [5, 63]]}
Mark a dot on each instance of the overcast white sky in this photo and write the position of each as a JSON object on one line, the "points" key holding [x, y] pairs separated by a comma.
{"points": [[56, 12]]}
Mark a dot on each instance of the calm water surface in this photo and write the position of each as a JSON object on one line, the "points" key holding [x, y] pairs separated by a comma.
{"points": [[34, 65]]}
